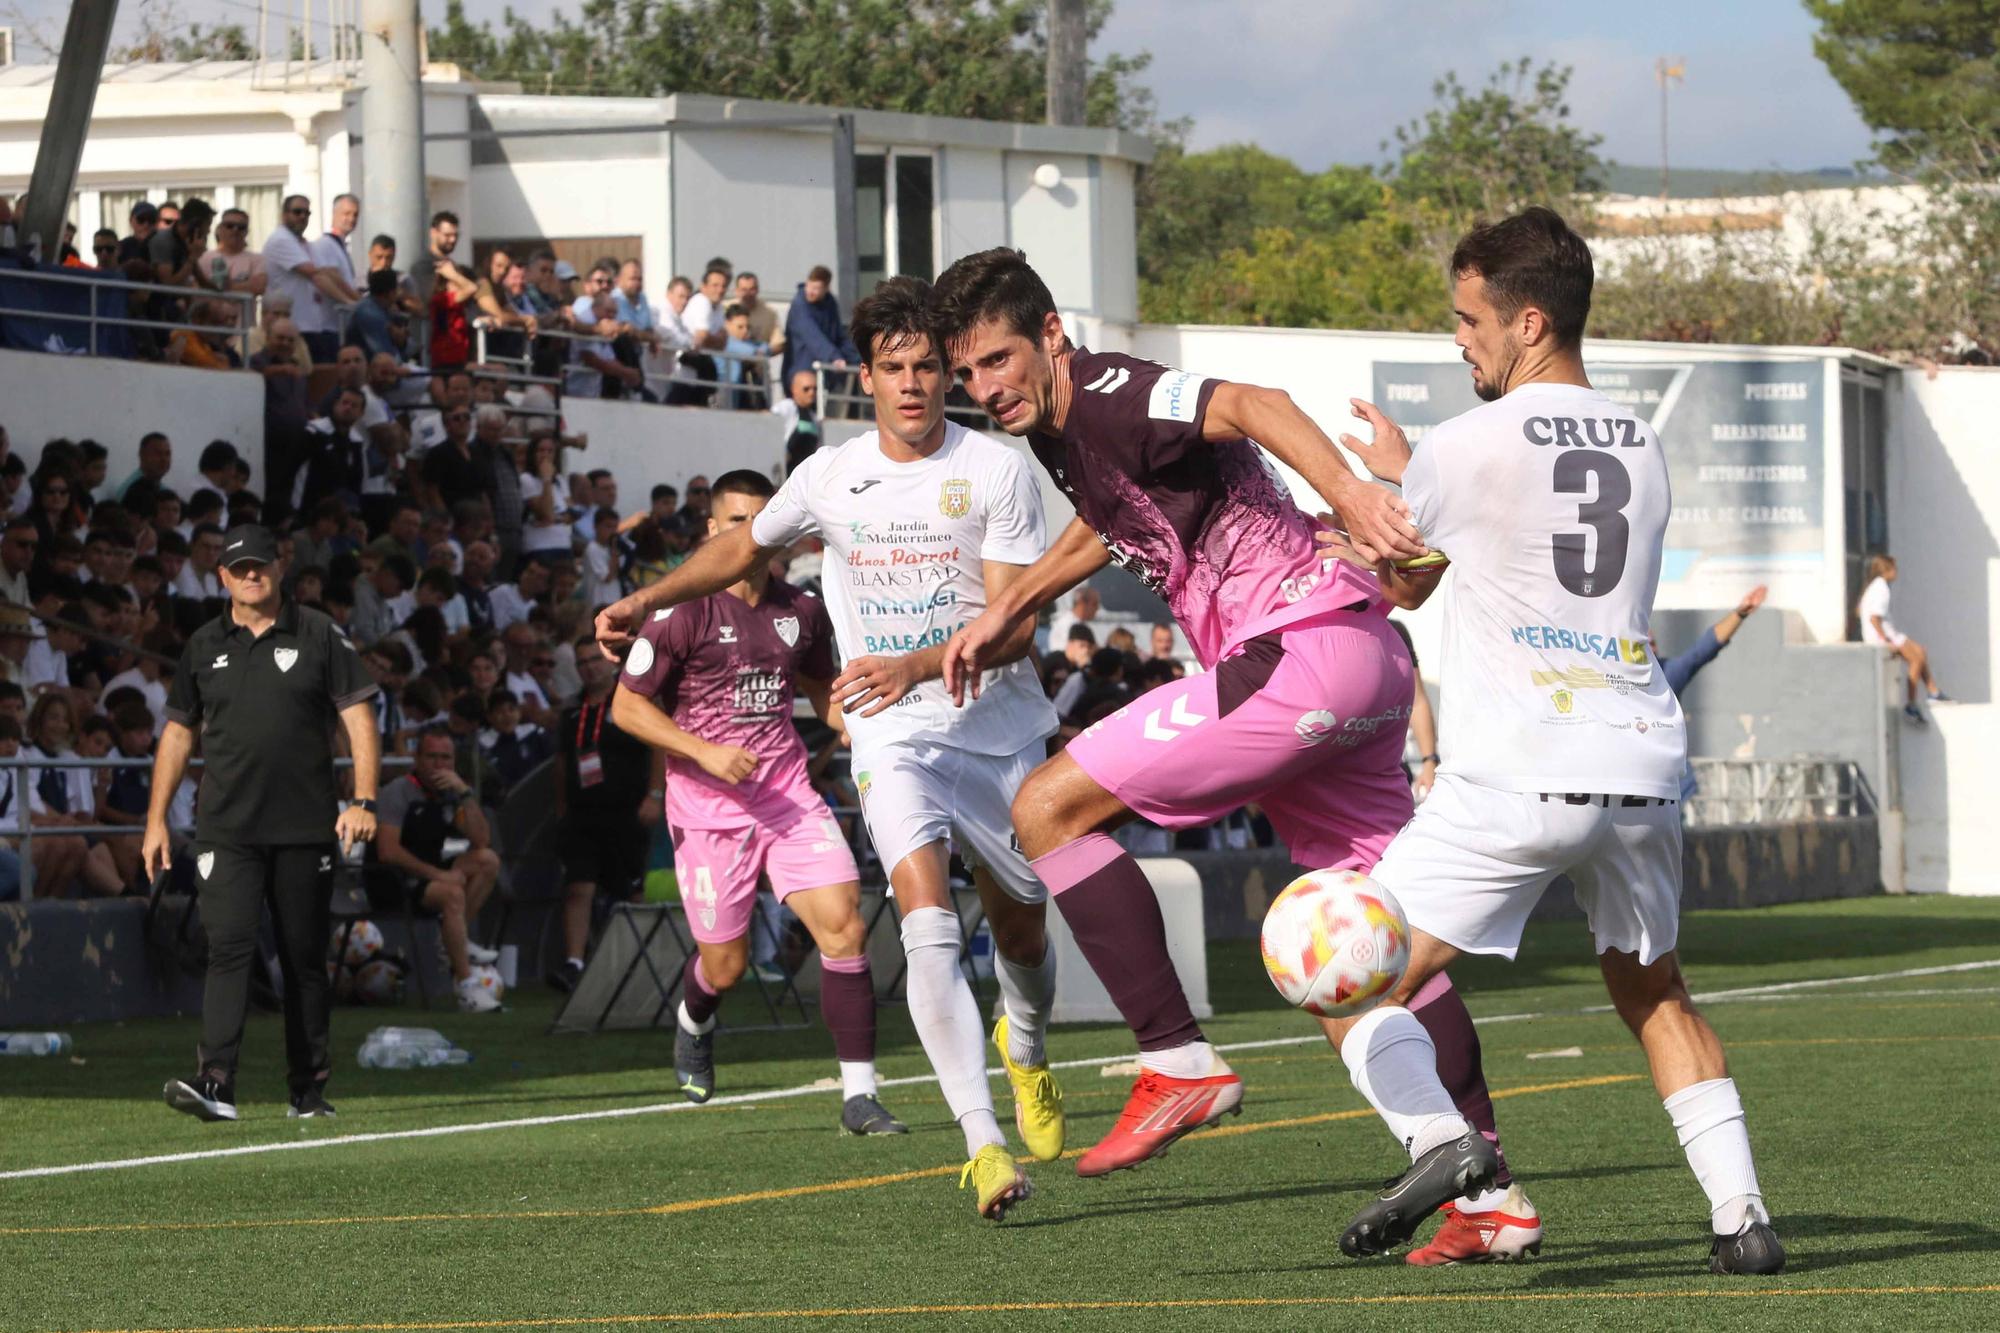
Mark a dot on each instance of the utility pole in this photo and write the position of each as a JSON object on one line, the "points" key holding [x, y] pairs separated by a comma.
{"points": [[1067, 62], [392, 129], [79, 69], [1667, 69]]}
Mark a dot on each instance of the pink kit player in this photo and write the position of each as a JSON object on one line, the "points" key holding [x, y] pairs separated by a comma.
{"points": [[1307, 690], [711, 683]]}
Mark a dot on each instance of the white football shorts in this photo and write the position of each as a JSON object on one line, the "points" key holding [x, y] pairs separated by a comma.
{"points": [[914, 793], [1472, 863]]}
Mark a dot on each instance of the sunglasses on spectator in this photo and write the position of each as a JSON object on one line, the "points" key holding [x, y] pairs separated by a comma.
{"points": [[231, 226], [300, 211], [104, 249]]}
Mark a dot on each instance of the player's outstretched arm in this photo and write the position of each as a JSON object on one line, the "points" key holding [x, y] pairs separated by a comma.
{"points": [[642, 719], [1378, 521], [1406, 589], [715, 564], [1010, 610]]}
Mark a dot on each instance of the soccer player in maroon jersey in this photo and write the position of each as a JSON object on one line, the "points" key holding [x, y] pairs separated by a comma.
{"points": [[711, 684], [1306, 690]]}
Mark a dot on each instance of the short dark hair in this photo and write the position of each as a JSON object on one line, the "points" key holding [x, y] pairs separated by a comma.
{"points": [[444, 215], [897, 312], [663, 491], [992, 284], [217, 455], [132, 716], [92, 451], [1084, 633], [598, 474], [1531, 258], [713, 269], [743, 481], [383, 239], [746, 273], [382, 281], [820, 273]]}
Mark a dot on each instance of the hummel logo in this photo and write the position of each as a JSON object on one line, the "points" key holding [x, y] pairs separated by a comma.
{"points": [[219, 662], [1180, 716], [728, 634], [1111, 381], [856, 490]]}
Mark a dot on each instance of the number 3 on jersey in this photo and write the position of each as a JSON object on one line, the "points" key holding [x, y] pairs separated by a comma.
{"points": [[1574, 473]]}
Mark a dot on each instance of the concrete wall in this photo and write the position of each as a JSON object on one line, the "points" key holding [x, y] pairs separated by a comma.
{"points": [[972, 201], [1052, 226], [43, 397], [1944, 529], [764, 198], [644, 444]]}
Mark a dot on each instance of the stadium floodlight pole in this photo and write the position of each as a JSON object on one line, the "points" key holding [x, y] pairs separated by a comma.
{"points": [[847, 254], [79, 69], [1067, 73], [392, 126]]}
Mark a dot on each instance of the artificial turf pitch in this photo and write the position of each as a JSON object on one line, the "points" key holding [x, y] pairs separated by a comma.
{"points": [[1870, 1107]]}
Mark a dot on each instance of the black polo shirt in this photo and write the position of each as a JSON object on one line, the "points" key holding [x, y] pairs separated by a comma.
{"points": [[266, 709]]}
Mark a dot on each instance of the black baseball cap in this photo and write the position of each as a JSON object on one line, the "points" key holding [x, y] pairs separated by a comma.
{"points": [[248, 542]]}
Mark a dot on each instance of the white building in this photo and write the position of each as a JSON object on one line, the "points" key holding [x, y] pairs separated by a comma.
{"points": [[672, 181], [1788, 231]]}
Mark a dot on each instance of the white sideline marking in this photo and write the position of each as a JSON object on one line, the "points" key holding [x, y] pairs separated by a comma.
{"points": [[809, 1089]]}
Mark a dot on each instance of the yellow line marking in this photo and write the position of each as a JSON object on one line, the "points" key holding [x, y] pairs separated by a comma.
{"points": [[1038, 1307], [732, 1200]]}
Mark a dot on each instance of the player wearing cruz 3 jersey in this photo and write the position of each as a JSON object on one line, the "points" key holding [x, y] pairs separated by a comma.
{"points": [[924, 522], [1302, 708], [711, 684], [1563, 744]]}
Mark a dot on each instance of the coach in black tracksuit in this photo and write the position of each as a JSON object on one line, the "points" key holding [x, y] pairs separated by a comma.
{"points": [[264, 682]]}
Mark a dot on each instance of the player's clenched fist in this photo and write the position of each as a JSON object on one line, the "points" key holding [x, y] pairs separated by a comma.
{"points": [[727, 763], [617, 626]]}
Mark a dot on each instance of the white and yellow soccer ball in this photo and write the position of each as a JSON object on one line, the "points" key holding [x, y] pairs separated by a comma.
{"points": [[364, 941], [487, 978], [378, 981], [1335, 943]]}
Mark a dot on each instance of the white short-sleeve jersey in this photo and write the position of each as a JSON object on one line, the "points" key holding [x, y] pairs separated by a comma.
{"points": [[1875, 602], [1552, 504], [903, 571]]}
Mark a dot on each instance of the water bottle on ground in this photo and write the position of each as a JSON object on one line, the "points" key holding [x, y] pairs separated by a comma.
{"points": [[409, 1048], [34, 1043]]}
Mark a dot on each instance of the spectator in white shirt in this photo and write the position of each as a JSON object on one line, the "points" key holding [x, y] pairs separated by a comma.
{"points": [[1083, 609], [145, 675], [545, 532], [603, 496], [602, 560], [330, 253], [312, 288], [513, 602], [1878, 628], [703, 315], [198, 579]]}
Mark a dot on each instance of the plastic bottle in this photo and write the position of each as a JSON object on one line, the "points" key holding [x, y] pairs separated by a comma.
{"points": [[409, 1048], [34, 1043]]}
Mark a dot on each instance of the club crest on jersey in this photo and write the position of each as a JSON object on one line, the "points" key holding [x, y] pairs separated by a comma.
{"points": [[286, 658], [1563, 700], [788, 629], [955, 498]]}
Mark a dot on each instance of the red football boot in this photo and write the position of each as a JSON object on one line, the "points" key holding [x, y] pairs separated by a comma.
{"points": [[1160, 1110], [1513, 1230]]}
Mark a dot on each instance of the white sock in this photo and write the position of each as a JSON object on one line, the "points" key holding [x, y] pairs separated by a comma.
{"points": [[577, 961], [947, 1022], [1394, 1065], [857, 1078], [1708, 1118], [1485, 1201], [1027, 994], [1196, 1059], [693, 1028]]}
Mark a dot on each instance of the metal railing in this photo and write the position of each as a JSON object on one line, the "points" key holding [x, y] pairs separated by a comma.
{"points": [[1778, 791], [96, 318], [20, 765]]}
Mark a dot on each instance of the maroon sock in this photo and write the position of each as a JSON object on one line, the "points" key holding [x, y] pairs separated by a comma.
{"points": [[1111, 911], [697, 996], [847, 1006], [1444, 1015]]}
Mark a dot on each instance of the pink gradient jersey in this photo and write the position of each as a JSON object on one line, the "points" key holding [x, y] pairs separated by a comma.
{"points": [[1209, 527], [724, 670]]}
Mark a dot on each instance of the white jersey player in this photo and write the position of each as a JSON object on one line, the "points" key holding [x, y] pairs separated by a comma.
{"points": [[923, 521], [1562, 743]]}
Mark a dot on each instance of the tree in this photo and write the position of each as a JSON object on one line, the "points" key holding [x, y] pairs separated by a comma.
{"points": [[1499, 149], [978, 58], [1920, 72], [165, 34]]}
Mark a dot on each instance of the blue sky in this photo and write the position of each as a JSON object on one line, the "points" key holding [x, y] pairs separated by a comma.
{"points": [[1325, 81]]}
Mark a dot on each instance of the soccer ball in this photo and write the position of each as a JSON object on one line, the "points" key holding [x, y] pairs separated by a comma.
{"points": [[379, 981], [487, 978], [1335, 943], [363, 943]]}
